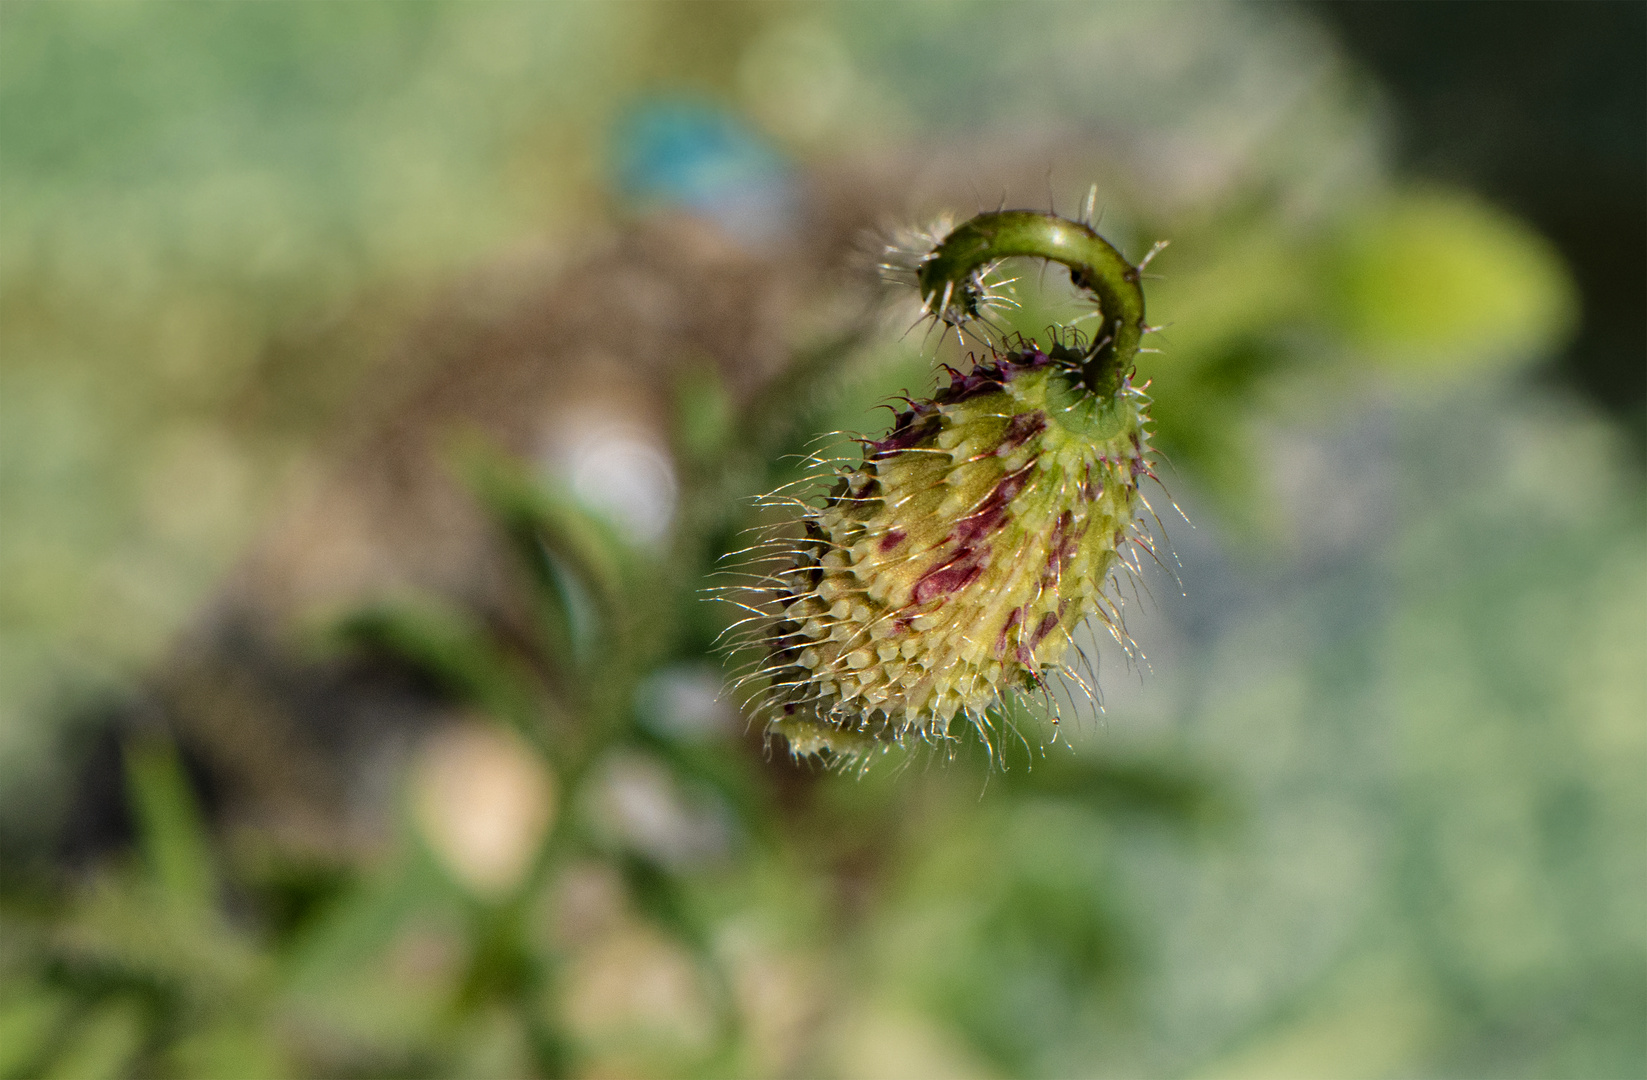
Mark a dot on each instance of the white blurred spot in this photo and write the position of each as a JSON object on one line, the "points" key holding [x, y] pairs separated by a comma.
{"points": [[484, 803], [622, 472], [884, 1040], [782, 996], [685, 701], [639, 803], [194, 488], [635, 988]]}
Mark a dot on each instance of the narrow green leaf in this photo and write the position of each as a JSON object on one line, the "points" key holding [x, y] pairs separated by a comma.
{"points": [[543, 520], [170, 831], [448, 647], [236, 1048], [703, 413], [1169, 793], [103, 1047], [28, 1023]]}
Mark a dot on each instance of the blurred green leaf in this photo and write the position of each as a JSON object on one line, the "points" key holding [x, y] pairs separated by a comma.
{"points": [[577, 561], [524, 498], [658, 895], [1164, 790], [29, 1021], [703, 413], [103, 1046], [236, 1048], [1438, 282], [381, 968], [447, 646], [169, 826]]}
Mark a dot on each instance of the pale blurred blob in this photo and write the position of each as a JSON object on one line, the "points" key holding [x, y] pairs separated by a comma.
{"points": [[194, 486], [783, 999], [685, 701], [584, 903], [796, 78], [484, 802], [633, 990], [893, 1041], [623, 472], [640, 805], [629, 992]]}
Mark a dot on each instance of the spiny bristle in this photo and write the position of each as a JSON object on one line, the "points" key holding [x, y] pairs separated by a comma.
{"points": [[910, 246], [961, 303], [951, 566]]}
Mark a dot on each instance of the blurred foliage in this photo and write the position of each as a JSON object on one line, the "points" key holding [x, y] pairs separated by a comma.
{"points": [[1376, 812]]}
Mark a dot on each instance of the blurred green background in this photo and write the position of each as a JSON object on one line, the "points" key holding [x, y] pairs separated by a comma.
{"points": [[565, 286]]}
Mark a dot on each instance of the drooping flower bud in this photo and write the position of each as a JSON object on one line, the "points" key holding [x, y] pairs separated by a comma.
{"points": [[954, 563]]}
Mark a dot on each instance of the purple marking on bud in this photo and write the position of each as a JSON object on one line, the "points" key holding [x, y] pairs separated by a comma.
{"points": [[910, 427], [892, 539], [1013, 620], [1062, 548], [1023, 427], [920, 422], [963, 385], [1048, 622], [952, 576], [992, 511], [1090, 488], [986, 377]]}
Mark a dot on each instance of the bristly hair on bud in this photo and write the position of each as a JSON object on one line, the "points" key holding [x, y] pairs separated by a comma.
{"points": [[980, 291], [950, 567]]}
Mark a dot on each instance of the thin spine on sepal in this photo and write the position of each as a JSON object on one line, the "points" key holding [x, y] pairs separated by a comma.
{"points": [[949, 568], [948, 279], [971, 299]]}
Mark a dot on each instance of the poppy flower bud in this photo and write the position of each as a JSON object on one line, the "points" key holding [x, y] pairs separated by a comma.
{"points": [[954, 563]]}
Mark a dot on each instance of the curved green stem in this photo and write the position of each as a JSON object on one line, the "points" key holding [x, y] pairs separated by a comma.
{"points": [[947, 278]]}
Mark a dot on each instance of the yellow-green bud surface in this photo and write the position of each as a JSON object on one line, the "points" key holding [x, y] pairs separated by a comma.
{"points": [[955, 562]]}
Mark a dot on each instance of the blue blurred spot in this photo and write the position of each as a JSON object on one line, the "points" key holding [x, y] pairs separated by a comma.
{"points": [[700, 158]]}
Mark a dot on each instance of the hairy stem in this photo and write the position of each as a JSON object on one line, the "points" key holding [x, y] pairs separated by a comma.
{"points": [[947, 278]]}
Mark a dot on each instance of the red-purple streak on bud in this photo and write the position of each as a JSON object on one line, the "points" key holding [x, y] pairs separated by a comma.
{"points": [[953, 565]]}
